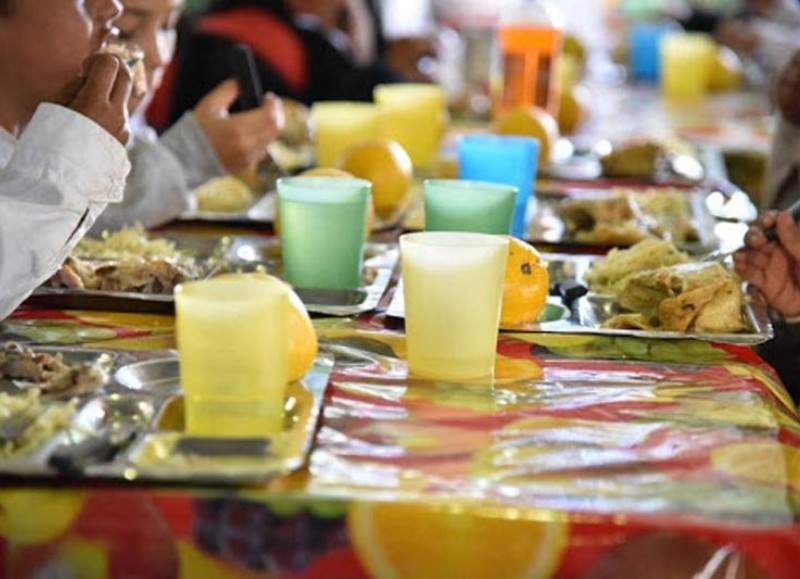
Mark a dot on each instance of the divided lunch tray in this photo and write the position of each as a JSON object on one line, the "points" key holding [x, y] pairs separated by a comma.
{"points": [[236, 253], [132, 429], [586, 314]]}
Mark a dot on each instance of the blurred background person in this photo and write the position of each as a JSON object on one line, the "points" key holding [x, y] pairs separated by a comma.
{"points": [[204, 143]]}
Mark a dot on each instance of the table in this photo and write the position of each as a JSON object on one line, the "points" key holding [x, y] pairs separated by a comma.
{"points": [[589, 457]]}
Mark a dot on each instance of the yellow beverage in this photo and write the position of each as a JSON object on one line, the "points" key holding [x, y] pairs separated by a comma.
{"points": [[233, 339], [686, 60], [338, 124], [415, 116], [452, 288]]}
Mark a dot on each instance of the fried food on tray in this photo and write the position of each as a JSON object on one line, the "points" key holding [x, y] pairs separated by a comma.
{"points": [[49, 373], [128, 242], [625, 216], [227, 194], [152, 275], [609, 275], [633, 159], [687, 297]]}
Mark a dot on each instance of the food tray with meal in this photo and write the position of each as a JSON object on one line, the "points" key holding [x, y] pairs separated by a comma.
{"points": [[654, 290], [132, 271], [70, 412], [651, 290], [621, 217]]}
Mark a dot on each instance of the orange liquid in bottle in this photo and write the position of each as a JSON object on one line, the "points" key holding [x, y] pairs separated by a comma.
{"points": [[529, 60]]}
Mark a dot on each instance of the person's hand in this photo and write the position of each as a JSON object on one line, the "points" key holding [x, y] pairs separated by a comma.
{"points": [[787, 90], [737, 35], [101, 94], [774, 268], [403, 55], [240, 140]]}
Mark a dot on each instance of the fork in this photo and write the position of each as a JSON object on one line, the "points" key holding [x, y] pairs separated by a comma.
{"points": [[770, 233], [15, 425]]}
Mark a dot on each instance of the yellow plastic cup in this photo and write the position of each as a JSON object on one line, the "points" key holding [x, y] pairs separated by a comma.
{"points": [[452, 289], [414, 115], [233, 341], [686, 60], [338, 124]]}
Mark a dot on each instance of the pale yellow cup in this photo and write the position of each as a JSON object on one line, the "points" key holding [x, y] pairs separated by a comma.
{"points": [[414, 115], [233, 339], [686, 60], [338, 124], [452, 289]]}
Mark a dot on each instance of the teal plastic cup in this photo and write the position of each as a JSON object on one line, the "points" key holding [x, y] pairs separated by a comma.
{"points": [[323, 220], [473, 206], [507, 159]]}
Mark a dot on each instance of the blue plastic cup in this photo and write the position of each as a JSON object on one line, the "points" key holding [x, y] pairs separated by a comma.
{"points": [[643, 49], [509, 160]]}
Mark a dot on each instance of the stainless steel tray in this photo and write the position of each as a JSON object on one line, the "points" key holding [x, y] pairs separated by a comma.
{"points": [[236, 253], [546, 225], [133, 430], [261, 212], [587, 314]]}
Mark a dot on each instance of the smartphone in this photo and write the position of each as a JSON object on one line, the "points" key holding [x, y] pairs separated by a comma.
{"points": [[243, 66]]}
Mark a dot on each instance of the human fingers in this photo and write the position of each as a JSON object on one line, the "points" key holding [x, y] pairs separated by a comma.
{"points": [[219, 99], [274, 108], [789, 234], [100, 76], [122, 87]]}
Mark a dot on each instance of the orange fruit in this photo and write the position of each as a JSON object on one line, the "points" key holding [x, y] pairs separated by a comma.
{"points": [[726, 70], [303, 343], [526, 285], [432, 541], [327, 172], [387, 165], [531, 122], [574, 108]]}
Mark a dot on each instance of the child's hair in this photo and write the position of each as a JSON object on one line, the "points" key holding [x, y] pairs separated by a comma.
{"points": [[5, 7]]}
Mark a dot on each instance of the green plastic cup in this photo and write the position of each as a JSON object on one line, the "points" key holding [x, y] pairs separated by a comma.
{"points": [[323, 220], [474, 206]]}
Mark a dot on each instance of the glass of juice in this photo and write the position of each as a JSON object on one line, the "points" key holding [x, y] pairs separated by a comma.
{"points": [[686, 59], [338, 124], [530, 49], [415, 116], [323, 220], [476, 206], [507, 159], [233, 342], [452, 289]]}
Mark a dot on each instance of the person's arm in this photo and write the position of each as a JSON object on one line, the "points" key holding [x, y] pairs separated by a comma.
{"points": [[156, 191], [64, 170]]}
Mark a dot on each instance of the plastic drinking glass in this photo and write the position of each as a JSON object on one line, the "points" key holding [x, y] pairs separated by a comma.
{"points": [[322, 230], [414, 115], [233, 342], [643, 49], [452, 288], [686, 60], [338, 124], [510, 160], [476, 206]]}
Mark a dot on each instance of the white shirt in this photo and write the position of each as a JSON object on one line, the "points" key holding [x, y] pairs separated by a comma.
{"points": [[54, 182]]}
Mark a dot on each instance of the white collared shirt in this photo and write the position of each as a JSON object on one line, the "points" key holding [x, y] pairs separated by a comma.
{"points": [[54, 182]]}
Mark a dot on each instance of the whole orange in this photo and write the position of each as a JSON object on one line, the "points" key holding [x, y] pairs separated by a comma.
{"points": [[531, 122], [526, 285], [303, 343], [328, 172], [387, 165]]}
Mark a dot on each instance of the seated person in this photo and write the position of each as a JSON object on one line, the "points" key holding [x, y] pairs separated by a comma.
{"points": [[206, 142], [59, 164], [774, 268], [300, 53]]}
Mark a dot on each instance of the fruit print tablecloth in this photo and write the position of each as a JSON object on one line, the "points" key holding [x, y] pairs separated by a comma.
{"points": [[588, 457]]}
